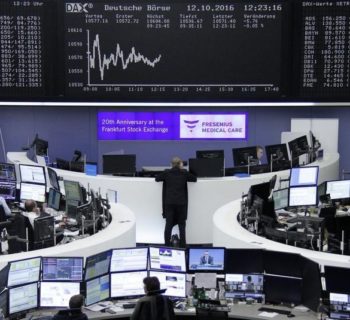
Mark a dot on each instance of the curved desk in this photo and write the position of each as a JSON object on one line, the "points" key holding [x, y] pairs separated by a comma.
{"points": [[120, 233], [229, 233], [144, 196]]}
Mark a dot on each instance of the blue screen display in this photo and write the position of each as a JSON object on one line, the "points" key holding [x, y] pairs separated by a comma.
{"points": [[208, 259]]}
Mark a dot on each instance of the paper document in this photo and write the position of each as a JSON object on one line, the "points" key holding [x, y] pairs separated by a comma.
{"points": [[268, 314]]}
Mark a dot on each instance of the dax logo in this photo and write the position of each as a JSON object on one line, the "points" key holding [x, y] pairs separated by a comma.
{"points": [[191, 124], [78, 7]]}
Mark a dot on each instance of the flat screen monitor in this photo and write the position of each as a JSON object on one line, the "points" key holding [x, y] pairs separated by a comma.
{"points": [[244, 261], [97, 290], [302, 196], [206, 259], [62, 268], [282, 263], [280, 198], [23, 271], [304, 176], [119, 164], [32, 174], [276, 152], [44, 234], [62, 164], [279, 290], [339, 305], [73, 191], [23, 298], [130, 259], [207, 167], [337, 279], [242, 155], [77, 166], [322, 189], [98, 264], [8, 189], [40, 146], [54, 199], [210, 154], [127, 284], [7, 172], [170, 259], [174, 283], [57, 294], [244, 286], [298, 146], [53, 179], [36, 192], [339, 189], [91, 168]]}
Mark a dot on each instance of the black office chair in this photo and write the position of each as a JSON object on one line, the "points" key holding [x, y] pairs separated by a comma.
{"points": [[17, 234], [207, 314]]}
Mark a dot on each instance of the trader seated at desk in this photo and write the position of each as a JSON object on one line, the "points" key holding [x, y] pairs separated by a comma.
{"points": [[32, 211], [74, 312]]}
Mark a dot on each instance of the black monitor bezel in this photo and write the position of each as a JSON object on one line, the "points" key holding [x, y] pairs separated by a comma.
{"points": [[21, 165], [130, 157], [256, 268], [165, 247], [48, 197], [203, 154], [14, 261], [235, 151], [80, 192], [268, 150], [25, 310], [283, 189], [297, 141], [95, 278], [303, 205], [208, 164], [14, 170], [55, 280], [33, 184], [301, 168], [148, 262], [53, 172], [204, 248], [90, 257], [330, 181], [14, 184]]}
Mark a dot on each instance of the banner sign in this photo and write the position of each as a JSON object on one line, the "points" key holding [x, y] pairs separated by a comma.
{"points": [[171, 126]]}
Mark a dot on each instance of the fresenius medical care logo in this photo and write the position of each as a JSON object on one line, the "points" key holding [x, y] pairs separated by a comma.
{"points": [[191, 124], [77, 7]]}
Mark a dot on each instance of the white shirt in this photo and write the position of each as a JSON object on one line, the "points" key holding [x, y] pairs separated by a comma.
{"points": [[5, 206], [31, 216]]}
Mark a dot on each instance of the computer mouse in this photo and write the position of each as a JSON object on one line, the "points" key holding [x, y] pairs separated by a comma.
{"points": [[345, 209]]}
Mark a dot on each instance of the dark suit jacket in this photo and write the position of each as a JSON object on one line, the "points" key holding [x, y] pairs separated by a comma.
{"points": [[203, 260], [70, 314]]}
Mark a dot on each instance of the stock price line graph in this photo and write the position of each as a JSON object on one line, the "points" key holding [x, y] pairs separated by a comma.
{"points": [[175, 51]]}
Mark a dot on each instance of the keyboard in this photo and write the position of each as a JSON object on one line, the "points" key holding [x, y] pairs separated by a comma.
{"points": [[129, 305], [280, 311]]}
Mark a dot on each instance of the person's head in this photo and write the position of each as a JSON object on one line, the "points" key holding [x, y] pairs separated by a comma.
{"points": [[249, 279], [30, 206], [206, 253], [151, 284], [76, 301], [259, 152], [176, 162]]}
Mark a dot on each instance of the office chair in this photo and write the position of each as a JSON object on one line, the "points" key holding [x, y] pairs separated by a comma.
{"points": [[17, 230], [207, 314]]}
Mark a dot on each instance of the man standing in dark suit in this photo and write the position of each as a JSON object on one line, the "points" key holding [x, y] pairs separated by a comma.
{"points": [[175, 199]]}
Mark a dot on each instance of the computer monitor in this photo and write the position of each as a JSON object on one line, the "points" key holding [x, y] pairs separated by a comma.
{"points": [[242, 155], [40, 146], [53, 179], [244, 286], [8, 189], [207, 167], [174, 283], [72, 210], [36, 192], [170, 259], [44, 232], [23, 298], [339, 189], [206, 259], [119, 164], [62, 164], [97, 290], [210, 154], [337, 279], [57, 294], [32, 174], [278, 152], [91, 168], [73, 191], [77, 166], [97, 264], [304, 176], [127, 284], [339, 305], [54, 199], [280, 198], [62, 268], [244, 261], [23, 271], [298, 146], [130, 259], [283, 290], [283, 263], [7, 172], [302, 196]]}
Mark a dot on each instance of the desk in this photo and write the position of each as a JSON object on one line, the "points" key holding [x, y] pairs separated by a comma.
{"points": [[144, 196], [237, 312]]}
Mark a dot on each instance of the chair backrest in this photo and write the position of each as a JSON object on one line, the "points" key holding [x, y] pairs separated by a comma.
{"points": [[18, 228], [207, 314]]}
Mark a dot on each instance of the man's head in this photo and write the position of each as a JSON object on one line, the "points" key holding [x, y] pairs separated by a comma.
{"points": [[176, 162], [76, 301], [151, 284], [30, 206], [259, 152], [206, 253]]}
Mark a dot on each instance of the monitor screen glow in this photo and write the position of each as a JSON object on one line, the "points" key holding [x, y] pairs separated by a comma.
{"points": [[303, 196], [305, 176], [169, 259], [36, 192], [175, 283], [23, 298], [206, 259], [54, 199], [97, 290], [97, 265], [32, 174], [130, 259], [244, 285], [63, 268], [127, 284], [57, 294], [24, 271], [73, 190], [338, 189], [280, 198]]}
